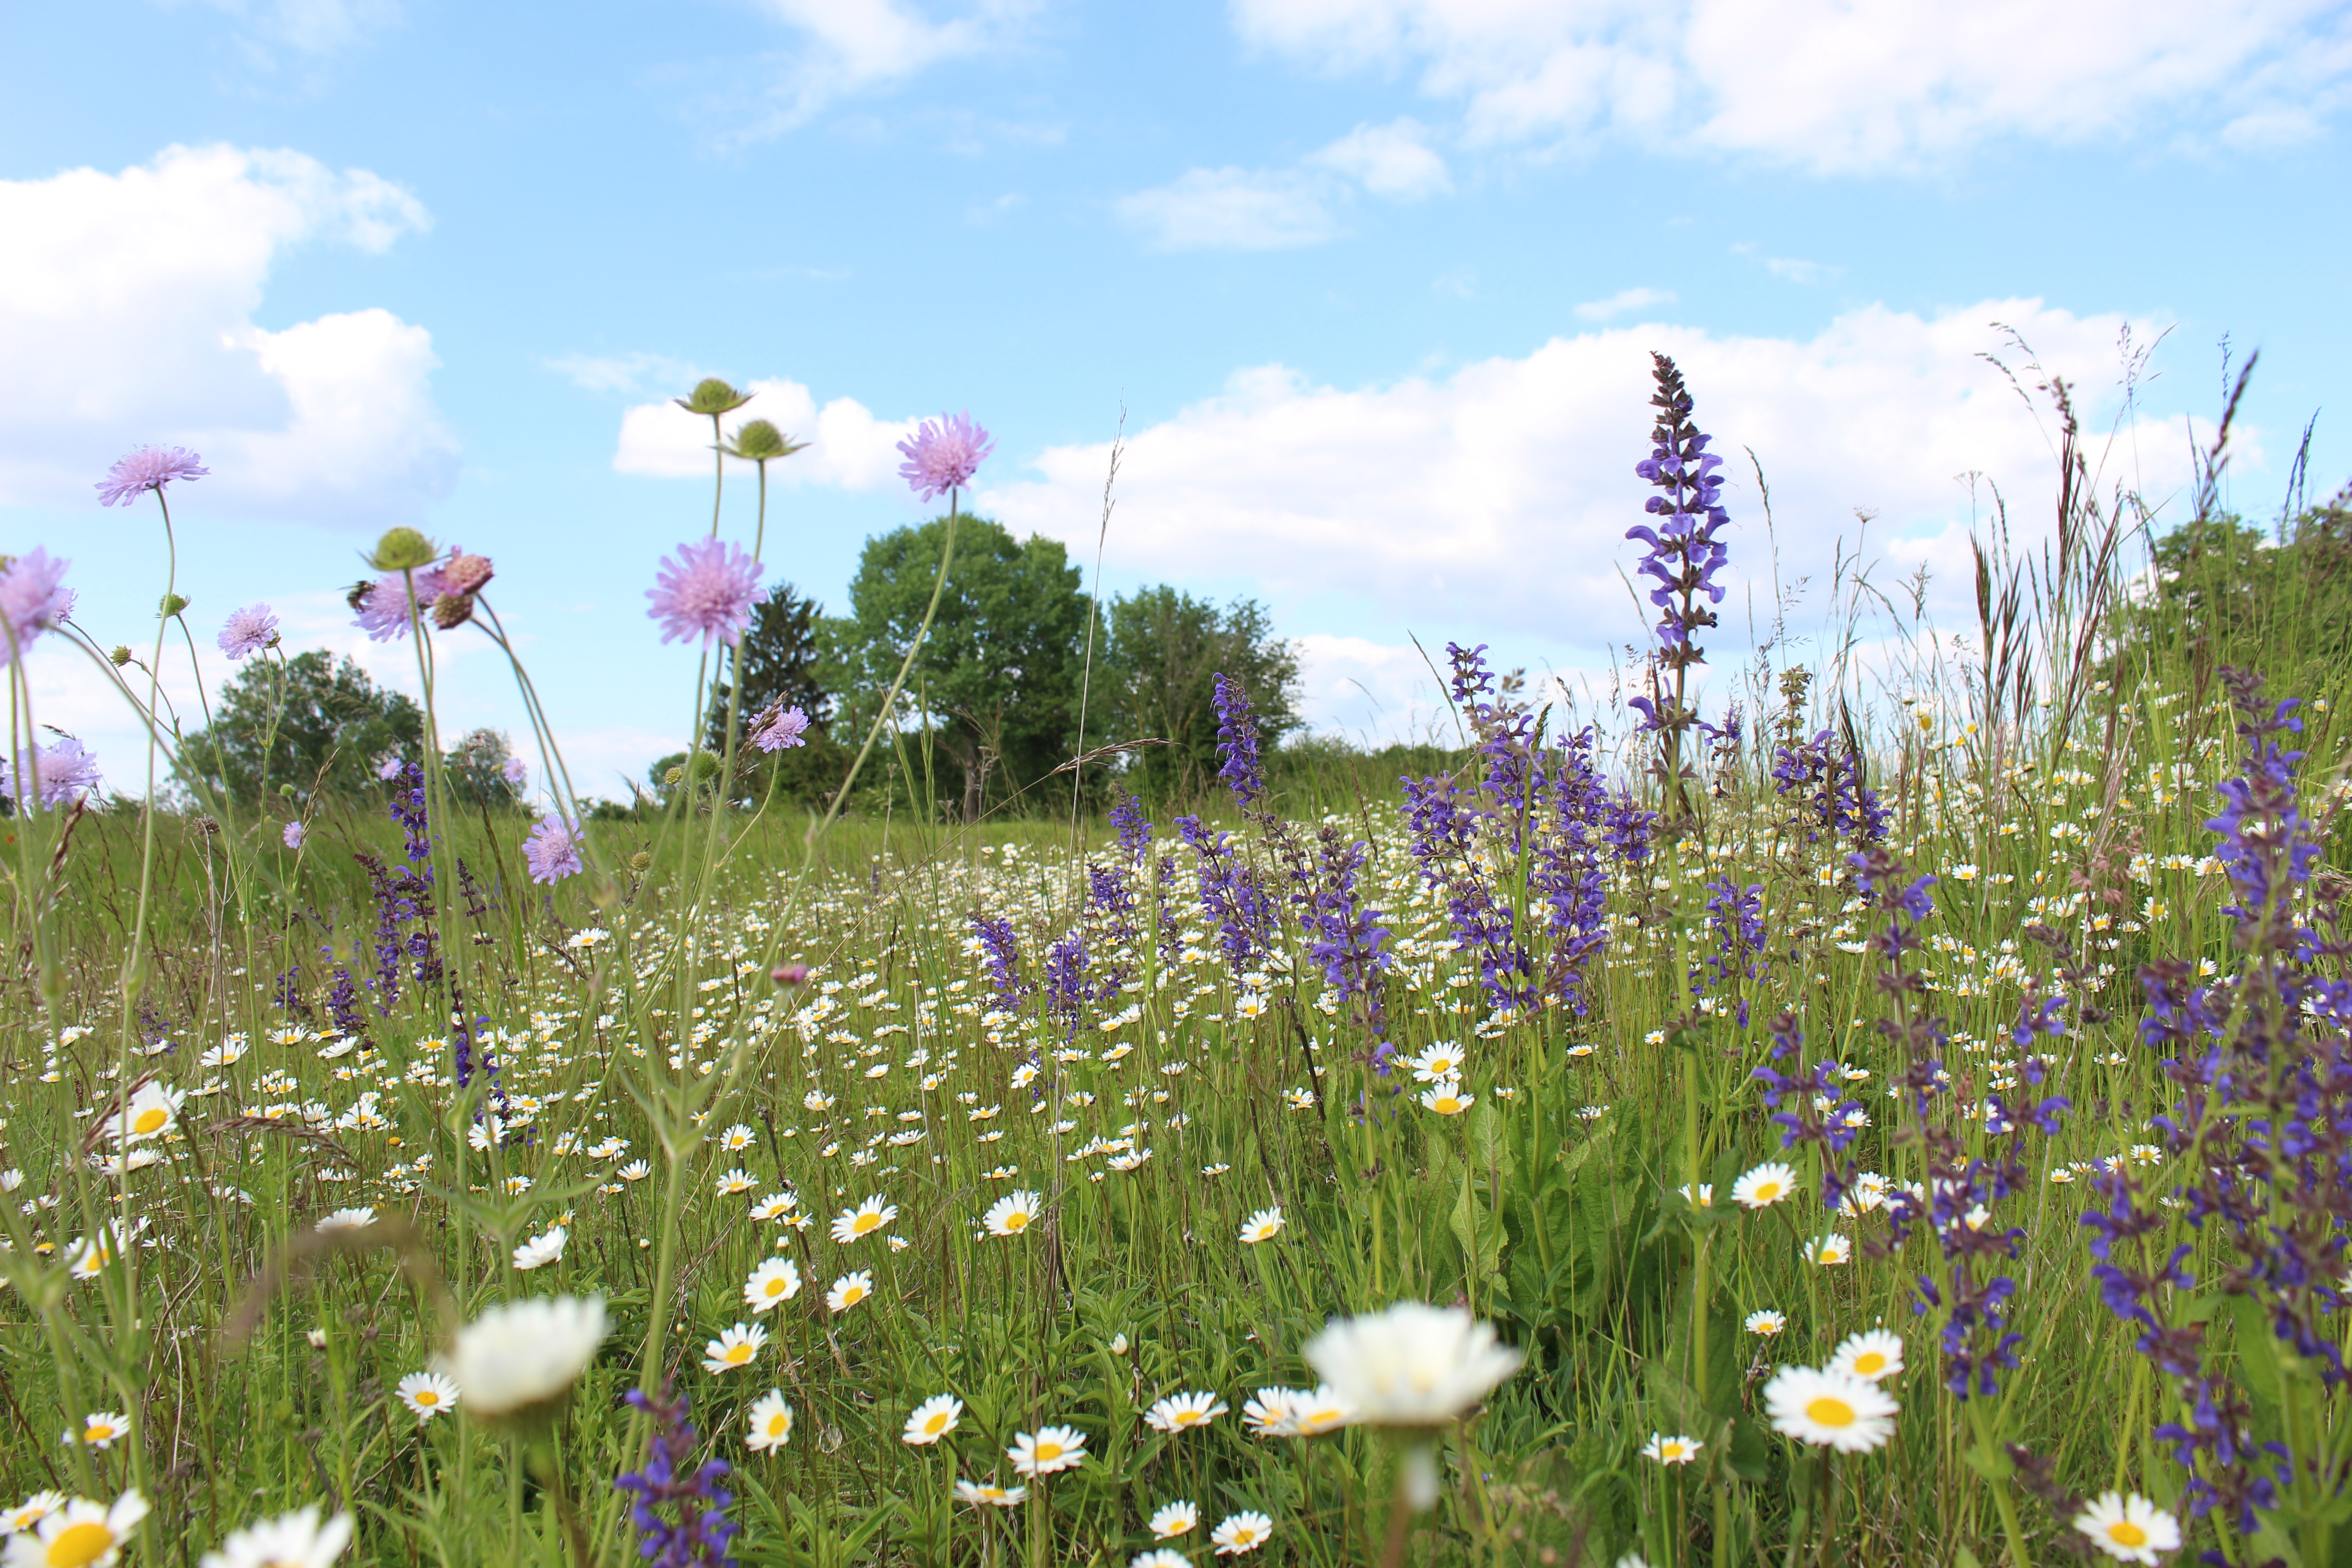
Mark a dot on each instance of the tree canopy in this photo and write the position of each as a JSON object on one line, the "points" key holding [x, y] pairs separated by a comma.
{"points": [[309, 721], [1156, 669]]}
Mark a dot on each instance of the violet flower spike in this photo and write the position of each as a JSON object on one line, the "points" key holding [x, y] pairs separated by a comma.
{"points": [[147, 469], [706, 590], [943, 454]]}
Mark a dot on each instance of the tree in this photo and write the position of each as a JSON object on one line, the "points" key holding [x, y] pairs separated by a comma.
{"points": [[477, 769], [1162, 652], [307, 720], [996, 685]]}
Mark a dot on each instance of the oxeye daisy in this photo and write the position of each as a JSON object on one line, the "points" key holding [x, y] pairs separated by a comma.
{"points": [[734, 1348], [1012, 1214], [427, 1394], [30, 1512], [539, 1251], [296, 1540], [1874, 1355], [100, 1428], [768, 1423], [776, 1205], [736, 1182], [988, 1494], [1184, 1411], [1828, 1251], [1047, 1450], [79, 1533], [1174, 1520], [933, 1419], [153, 1112], [771, 1284], [1447, 1098], [863, 1220], [1765, 1321], [1765, 1186], [1319, 1410], [2128, 1529], [1830, 1409], [1437, 1064], [736, 1138], [1263, 1225], [1273, 1412], [1160, 1557], [1239, 1532], [848, 1290], [1675, 1450]]}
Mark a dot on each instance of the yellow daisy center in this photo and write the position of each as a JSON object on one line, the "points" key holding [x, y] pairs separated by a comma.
{"points": [[1016, 1221], [426, 1396], [2123, 1532], [854, 1294], [937, 1424], [866, 1222], [1870, 1361], [150, 1119], [98, 1432], [775, 1287], [1830, 1412], [738, 1354], [78, 1545], [779, 1424], [1767, 1191], [1048, 1452], [1186, 1418]]}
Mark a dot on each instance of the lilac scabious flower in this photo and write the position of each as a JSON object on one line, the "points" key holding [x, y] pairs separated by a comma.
{"points": [[779, 727], [147, 469], [249, 630], [58, 773], [383, 604], [553, 850], [679, 1510], [943, 454], [706, 590], [517, 772], [294, 835], [33, 598], [1237, 743]]}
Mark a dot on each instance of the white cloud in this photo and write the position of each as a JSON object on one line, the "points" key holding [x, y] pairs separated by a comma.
{"points": [[313, 27], [126, 316], [1623, 300], [625, 373], [1495, 501], [1834, 84], [860, 46], [1392, 160], [1234, 209], [848, 446]]}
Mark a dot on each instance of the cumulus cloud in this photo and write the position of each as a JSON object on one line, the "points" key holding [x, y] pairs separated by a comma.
{"points": [[310, 27], [1280, 209], [126, 316], [1392, 160], [848, 446], [850, 46], [1834, 84], [1496, 500]]}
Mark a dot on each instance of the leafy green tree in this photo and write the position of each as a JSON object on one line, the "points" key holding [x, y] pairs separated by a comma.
{"points": [[477, 769], [2223, 592], [996, 685], [309, 721], [1161, 653]]}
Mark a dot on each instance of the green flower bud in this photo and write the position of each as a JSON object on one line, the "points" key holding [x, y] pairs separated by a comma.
{"points": [[402, 549], [757, 441], [120, 656], [713, 398], [641, 862], [173, 603], [286, 791], [706, 767]]}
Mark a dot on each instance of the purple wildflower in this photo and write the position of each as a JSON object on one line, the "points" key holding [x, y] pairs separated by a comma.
{"points": [[1237, 743], [553, 850], [517, 772], [779, 727], [58, 773], [33, 598], [1000, 948], [294, 835], [706, 590], [249, 630], [148, 469], [390, 768], [697, 1536], [942, 454], [383, 604]]}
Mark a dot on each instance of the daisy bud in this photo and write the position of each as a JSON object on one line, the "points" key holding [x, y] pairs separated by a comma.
{"points": [[402, 550], [712, 397]]}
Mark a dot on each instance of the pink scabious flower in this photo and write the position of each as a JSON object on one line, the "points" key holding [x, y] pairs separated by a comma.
{"points": [[706, 590], [58, 773], [553, 850], [294, 835], [383, 606], [518, 774], [33, 598], [779, 727], [942, 454], [249, 630], [148, 469]]}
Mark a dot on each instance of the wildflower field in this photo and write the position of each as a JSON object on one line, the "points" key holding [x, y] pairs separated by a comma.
{"points": [[1891, 1111]]}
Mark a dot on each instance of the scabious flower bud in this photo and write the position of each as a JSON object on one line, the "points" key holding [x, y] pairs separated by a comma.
{"points": [[451, 610], [173, 603], [120, 656], [402, 550], [641, 861], [758, 441], [465, 574], [712, 397], [789, 975]]}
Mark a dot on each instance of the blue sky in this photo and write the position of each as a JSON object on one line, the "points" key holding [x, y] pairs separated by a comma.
{"points": [[1373, 280]]}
